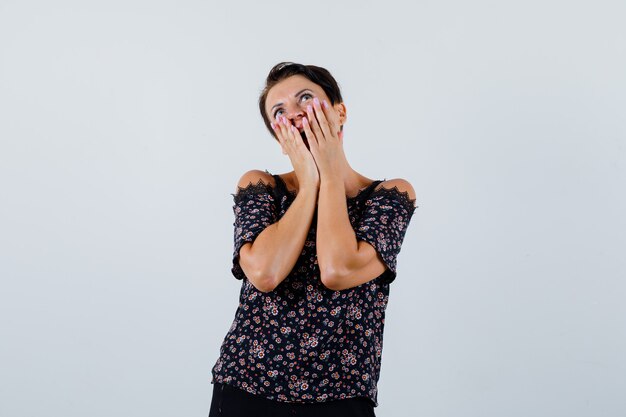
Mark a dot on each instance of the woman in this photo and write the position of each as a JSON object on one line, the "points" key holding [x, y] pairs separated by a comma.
{"points": [[316, 250]]}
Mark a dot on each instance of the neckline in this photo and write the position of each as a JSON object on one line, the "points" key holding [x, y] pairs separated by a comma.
{"points": [[294, 193]]}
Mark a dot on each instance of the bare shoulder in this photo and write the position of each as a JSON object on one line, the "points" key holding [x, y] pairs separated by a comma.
{"points": [[254, 177], [400, 184]]}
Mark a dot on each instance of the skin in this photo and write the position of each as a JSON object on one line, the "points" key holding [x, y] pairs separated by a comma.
{"points": [[309, 131]]}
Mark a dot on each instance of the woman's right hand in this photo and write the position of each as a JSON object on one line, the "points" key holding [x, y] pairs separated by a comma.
{"points": [[301, 158]]}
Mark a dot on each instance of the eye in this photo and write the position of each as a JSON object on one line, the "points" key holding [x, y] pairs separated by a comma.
{"points": [[304, 97], [277, 113]]}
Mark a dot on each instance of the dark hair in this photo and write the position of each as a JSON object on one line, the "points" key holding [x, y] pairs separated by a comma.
{"points": [[282, 70]]}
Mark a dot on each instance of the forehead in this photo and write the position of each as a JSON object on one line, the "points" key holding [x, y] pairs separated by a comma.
{"points": [[286, 89]]}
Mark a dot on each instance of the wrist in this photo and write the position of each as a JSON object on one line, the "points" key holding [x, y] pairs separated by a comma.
{"points": [[332, 183], [308, 187], [331, 178]]}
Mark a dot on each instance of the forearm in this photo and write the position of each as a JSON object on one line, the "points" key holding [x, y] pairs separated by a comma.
{"points": [[275, 251], [336, 240]]}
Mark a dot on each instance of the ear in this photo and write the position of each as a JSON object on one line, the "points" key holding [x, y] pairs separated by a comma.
{"points": [[341, 109]]}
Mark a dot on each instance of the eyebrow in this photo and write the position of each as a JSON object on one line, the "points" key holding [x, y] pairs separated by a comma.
{"points": [[295, 95]]}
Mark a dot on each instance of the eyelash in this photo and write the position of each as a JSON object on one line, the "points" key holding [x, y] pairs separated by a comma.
{"points": [[305, 94]]}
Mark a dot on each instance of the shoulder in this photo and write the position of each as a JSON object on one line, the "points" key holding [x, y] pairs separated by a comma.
{"points": [[255, 177], [399, 184]]}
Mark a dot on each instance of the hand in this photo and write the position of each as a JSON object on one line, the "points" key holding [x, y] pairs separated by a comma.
{"points": [[301, 158], [326, 142]]}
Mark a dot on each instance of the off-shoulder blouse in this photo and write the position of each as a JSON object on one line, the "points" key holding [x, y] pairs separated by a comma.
{"points": [[303, 342]]}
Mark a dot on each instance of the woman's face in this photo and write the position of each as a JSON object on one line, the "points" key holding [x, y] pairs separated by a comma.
{"points": [[290, 97]]}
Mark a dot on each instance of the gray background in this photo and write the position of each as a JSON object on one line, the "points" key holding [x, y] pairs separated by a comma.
{"points": [[125, 126]]}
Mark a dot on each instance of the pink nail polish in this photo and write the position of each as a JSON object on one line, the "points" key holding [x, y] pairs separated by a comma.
{"points": [[273, 125], [325, 104], [309, 108], [316, 100], [305, 121]]}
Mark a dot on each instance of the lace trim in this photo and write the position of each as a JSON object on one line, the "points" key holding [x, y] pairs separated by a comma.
{"points": [[252, 188], [404, 196], [294, 193], [261, 187], [374, 184]]}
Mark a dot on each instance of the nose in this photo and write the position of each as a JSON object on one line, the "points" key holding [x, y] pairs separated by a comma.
{"points": [[295, 113]]}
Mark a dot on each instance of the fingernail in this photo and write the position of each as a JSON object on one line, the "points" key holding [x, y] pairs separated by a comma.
{"points": [[325, 104], [316, 100], [305, 121], [273, 125], [309, 108]]}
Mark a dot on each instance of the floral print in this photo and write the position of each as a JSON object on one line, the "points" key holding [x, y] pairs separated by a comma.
{"points": [[303, 342]]}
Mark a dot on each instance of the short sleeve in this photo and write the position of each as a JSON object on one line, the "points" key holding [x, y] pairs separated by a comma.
{"points": [[255, 209], [383, 224]]}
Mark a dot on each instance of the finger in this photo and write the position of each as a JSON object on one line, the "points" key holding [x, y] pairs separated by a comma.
{"points": [[313, 145], [295, 140], [279, 128], [314, 125], [284, 127], [308, 132], [291, 137], [298, 143], [277, 133], [332, 118], [322, 119]]}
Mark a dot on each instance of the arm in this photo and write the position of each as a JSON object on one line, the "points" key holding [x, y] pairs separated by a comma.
{"points": [[270, 258], [344, 261]]}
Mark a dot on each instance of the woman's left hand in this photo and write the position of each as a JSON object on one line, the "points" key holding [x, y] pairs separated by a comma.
{"points": [[325, 141]]}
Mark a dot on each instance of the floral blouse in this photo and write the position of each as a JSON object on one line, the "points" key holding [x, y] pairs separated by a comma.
{"points": [[303, 342]]}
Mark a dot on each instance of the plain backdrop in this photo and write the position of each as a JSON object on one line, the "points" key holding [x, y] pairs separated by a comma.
{"points": [[125, 126]]}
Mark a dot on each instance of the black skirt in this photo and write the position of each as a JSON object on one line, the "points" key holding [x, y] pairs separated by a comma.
{"points": [[230, 401]]}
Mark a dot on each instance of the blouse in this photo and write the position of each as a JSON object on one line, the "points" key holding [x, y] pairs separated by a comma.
{"points": [[303, 342]]}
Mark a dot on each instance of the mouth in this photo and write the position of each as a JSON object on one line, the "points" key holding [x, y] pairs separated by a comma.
{"points": [[304, 139]]}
